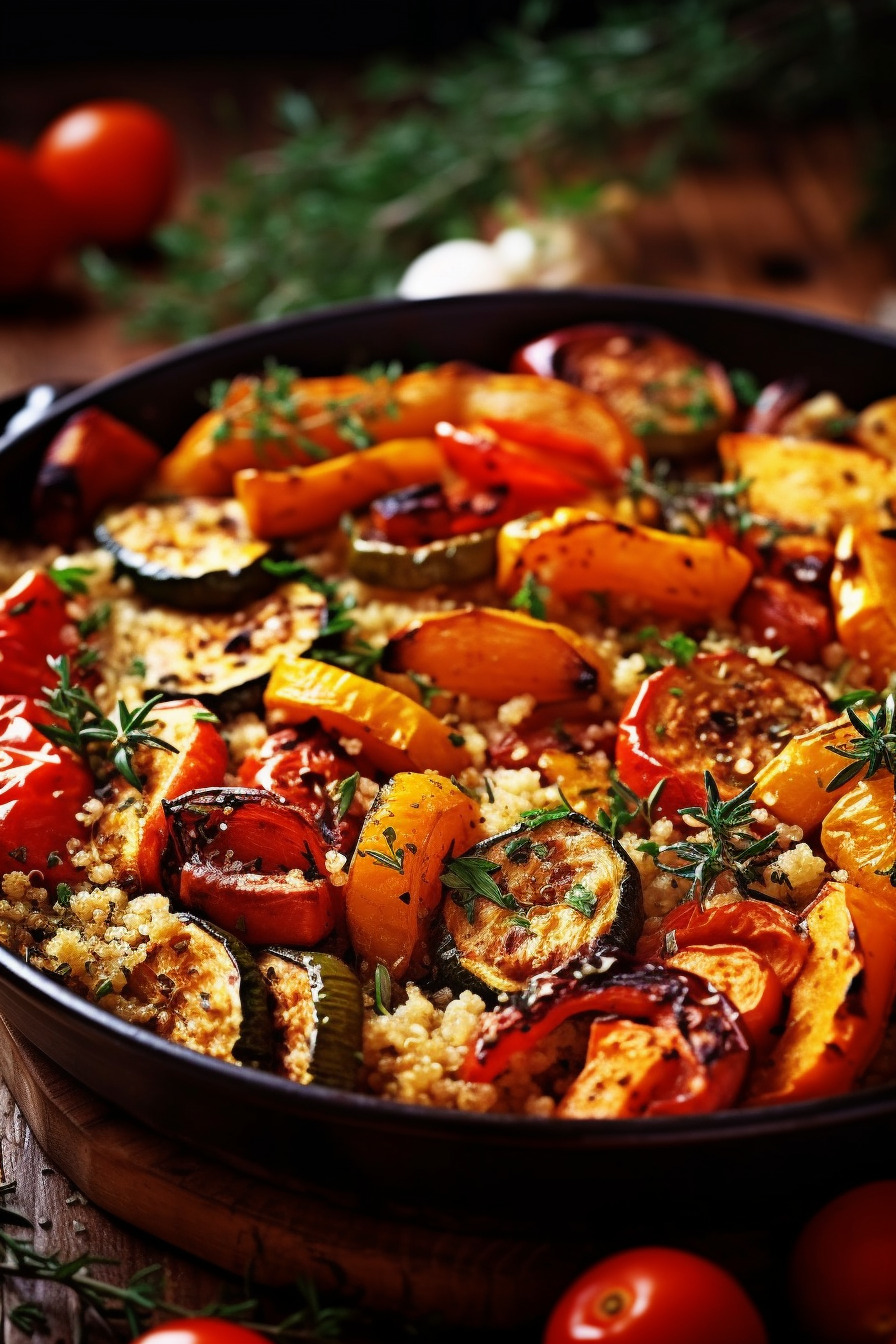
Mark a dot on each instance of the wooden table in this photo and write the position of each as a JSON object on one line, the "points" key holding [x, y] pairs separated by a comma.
{"points": [[775, 222]]}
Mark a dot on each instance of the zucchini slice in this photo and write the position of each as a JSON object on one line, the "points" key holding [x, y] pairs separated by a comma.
{"points": [[460, 559], [317, 1010], [564, 885], [209, 995], [194, 554], [224, 660]]}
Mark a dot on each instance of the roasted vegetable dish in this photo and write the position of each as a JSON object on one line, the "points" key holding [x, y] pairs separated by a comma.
{"points": [[517, 742]]}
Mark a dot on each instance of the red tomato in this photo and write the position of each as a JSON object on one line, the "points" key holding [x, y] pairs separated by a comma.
{"points": [[654, 1295], [34, 224], [114, 165], [42, 786], [784, 616], [200, 1330], [843, 1271], [34, 626]]}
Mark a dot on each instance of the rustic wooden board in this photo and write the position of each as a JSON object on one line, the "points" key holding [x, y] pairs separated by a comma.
{"points": [[250, 1226]]}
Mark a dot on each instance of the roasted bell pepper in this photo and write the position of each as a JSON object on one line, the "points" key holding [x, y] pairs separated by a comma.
{"points": [[93, 460], [425, 513], [859, 834], [486, 461], [306, 499], [132, 832], [794, 784], [302, 765], [42, 787], [863, 586], [745, 978], [496, 654], [713, 1050], [395, 733], [34, 626], [251, 863], [822, 1047], [394, 887], [725, 713], [783, 616], [577, 552], [769, 931]]}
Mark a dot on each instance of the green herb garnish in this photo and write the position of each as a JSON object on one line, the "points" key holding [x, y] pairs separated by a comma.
{"points": [[539, 816], [625, 806], [346, 794], [471, 876], [531, 596], [382, 990], [394, 859], [745, 386], [428, 690], [70, 578], [872, 749], [582, 900]]}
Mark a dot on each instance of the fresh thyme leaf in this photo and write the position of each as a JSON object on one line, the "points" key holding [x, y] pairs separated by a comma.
{"points": [[872, 749], [346, 790], [382, 990], [428, 690], [298, 571], [395, 857], [29, 1318], [138, 668], [532, 596], [745, 386], [471, 876], [519, 921], [731, 850], [205, 716], [471, 793], [457, 739], [70, 578], [690, 506], [538, 816], [864, 696], [625, 806], [681, 647], [96, 620], [581, 899], [102, 990]]}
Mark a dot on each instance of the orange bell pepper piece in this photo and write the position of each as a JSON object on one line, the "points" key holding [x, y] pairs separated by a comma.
{"points": [[747, 980], [863, 586]]}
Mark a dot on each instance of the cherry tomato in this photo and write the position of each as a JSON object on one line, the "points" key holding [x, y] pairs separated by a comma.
{"points": [[200, 1330], [784, 616], [114, 164], [34, 224], [723, 712], [654, 1295], [843, 1270], [34, 625]]}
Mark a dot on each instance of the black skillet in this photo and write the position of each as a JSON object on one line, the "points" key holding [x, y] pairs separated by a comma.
{"points": [[664, 1178]]}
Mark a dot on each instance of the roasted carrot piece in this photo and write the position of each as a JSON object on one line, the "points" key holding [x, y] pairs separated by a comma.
{"points": [[393, 888], [747, 980]]}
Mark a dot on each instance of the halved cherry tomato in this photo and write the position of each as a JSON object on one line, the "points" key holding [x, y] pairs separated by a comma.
{"points": [[298, 764], [251, 863], [843, 1270], [768, 930], [113, 163], [485, 461], [42, 787], [725, 713], [34, 626], [655, 1295], [712, 1053], [783, 616], [34, 224]]}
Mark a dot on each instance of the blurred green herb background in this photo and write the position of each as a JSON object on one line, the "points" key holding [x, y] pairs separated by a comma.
{"points": [[542, 112]]}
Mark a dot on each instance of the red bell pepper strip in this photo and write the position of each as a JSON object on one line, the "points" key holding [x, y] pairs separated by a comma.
{"points": [[34, 626], [485, 462]]}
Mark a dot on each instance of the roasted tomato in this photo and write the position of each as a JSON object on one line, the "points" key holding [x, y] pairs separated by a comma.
{"points": [[299, 764], [783, 616], [34, 626], [251, 863], [672, 398], [724, 713], [693, 1057], [42, 786], [653, 1295], [769, 931]]}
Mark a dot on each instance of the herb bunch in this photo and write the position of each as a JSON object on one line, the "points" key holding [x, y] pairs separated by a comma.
{"points": [[872, 749], [86, 730], [731, 850], [343, 203], [691, 507]]}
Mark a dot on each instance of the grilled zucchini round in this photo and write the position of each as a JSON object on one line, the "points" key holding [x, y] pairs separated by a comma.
{"points": [[317, 1010]]}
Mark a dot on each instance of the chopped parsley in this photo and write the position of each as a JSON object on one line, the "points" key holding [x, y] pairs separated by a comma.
{"points": [[581, 899], [532, 596], [471, 876], [394, 859]]}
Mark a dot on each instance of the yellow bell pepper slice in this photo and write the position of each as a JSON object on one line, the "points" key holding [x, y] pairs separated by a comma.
{"points": [[395, 732], [794, 783], [863, 587]]}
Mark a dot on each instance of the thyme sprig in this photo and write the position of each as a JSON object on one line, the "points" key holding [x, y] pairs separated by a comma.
{"points": [[691, 507], [270, 411], [624, 806], [83, 723], [872, 749], [731, 849]]}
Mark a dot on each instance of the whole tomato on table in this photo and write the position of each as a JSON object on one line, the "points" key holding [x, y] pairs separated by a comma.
{"points": [[200, 1330], [114, 164], [34, 224], [655, 1295]]}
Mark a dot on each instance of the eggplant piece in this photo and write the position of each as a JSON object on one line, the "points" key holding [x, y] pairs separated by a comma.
{"points": [[251, 862], [562, 887], [224, 660], [208, 994], [460, 559], [194, 554], [318, 1011]]}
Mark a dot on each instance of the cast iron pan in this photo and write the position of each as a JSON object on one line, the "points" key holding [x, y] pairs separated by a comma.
{"points": [[658, 1178]]}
